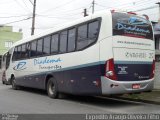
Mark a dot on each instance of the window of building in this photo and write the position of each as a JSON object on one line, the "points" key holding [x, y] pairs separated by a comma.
{"points": [[47, 44], [40, 47], [33, 48], [54, 43], [71, 39], [63, 42], [8, 44]]}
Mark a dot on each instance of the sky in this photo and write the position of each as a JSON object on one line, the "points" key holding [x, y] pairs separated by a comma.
{"points": [[50, 13]]}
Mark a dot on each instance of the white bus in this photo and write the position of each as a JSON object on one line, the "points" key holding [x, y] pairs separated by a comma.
{"points": [[103, 54], [5, 64]]}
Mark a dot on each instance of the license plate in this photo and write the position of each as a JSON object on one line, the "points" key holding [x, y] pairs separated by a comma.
{"points": [[136, 86]]}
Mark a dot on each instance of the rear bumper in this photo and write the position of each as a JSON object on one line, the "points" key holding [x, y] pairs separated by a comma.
{"points": [[121, 87]]}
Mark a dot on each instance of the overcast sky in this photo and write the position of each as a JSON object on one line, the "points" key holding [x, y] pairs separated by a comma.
{"points": [[52, 12]]}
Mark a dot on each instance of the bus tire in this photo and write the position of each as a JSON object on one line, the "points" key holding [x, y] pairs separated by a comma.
{"points": [[3, 82], [13, 83], [52, 88]]}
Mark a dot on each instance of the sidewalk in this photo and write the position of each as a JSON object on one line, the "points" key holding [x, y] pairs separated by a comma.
{"points": [[147, 97]]}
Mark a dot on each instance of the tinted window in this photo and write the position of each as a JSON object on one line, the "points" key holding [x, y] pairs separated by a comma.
{"points": [[33, 48], [47, 44], [15, 54], [23, 53], [19, 52], [131, 25], [71, 39], [82, 37], [8, 57], [28, 47], [63, 42], [54, 43], [92, 32], [39, 47]]}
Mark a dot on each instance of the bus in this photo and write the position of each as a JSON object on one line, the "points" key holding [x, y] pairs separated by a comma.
{"points": [[106, 53], [5, 64]]}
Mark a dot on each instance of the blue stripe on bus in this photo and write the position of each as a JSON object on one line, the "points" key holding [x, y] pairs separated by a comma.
{"points": [[132, 62], [84, 77]]}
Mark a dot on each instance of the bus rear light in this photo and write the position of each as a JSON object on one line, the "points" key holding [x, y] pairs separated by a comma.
{"points": [[132, 13], [153, 70], [110, 72]]}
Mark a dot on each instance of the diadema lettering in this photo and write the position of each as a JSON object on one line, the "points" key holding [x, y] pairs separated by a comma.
{"points": [[42, 61], [121, 26]]}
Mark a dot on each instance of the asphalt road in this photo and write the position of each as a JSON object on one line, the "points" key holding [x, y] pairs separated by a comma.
{"points": [[26, 101]]}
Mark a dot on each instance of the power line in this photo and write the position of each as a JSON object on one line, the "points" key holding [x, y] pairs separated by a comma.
{"points": [[62, 5], [21, 6], [145, 8], [26, 5], [13, 16], [17, 21], [31, 2]]}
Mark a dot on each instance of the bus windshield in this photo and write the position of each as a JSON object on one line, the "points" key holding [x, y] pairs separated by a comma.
{"points": [[131, 25]]}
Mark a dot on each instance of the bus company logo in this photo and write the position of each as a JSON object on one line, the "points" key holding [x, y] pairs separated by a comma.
{"points": [[46, 60], [125, 27], [20, 66], [133, 21], [137, 21]]}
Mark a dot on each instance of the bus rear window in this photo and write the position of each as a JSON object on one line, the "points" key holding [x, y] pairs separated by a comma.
{"points": [[131, 25]]}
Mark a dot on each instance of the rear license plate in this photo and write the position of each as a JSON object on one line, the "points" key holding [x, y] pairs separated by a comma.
{"points": [[136, 86]]}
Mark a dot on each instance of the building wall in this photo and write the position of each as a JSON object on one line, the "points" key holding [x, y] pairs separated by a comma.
{"points": [[7, 36]]}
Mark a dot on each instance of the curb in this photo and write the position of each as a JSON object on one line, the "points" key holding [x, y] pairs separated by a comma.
{"points": [[138, 100]]}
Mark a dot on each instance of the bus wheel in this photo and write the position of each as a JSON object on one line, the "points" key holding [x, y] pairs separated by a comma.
{"points": [[13, 82], [3, 82], [52, 88]]}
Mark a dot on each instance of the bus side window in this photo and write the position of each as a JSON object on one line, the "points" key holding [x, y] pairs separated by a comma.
{"points": [[15, 54], [71, 39], [23, 54], [54, 43], [93, 31], [63, 42], [33, 48], [40, 47], [82, 37], [28, 47], [19, 52], [46, 45]]}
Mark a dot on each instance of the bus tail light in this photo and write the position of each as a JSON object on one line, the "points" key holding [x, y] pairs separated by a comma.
{"points": [[110, 72], [153, 70], [132, 13]]}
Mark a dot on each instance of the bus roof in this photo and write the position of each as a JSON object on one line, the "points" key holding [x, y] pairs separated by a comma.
{"points": [[66, 25], [61, 27]]}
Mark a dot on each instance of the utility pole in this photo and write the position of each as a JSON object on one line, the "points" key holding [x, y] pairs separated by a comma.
{"points": [[159, 12], [33, 18], [93, 4], [85, 12]]}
